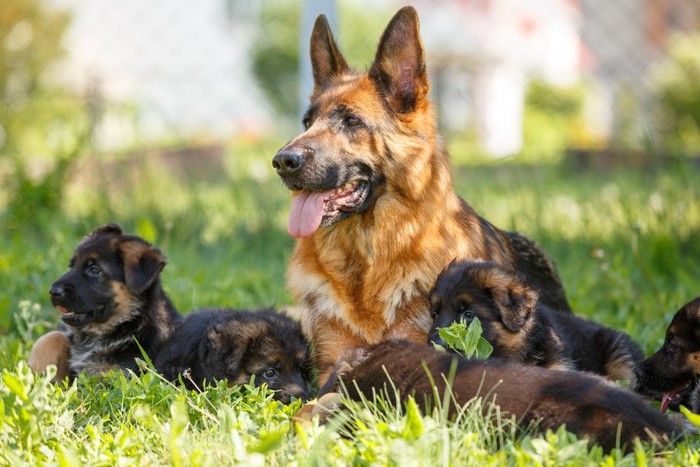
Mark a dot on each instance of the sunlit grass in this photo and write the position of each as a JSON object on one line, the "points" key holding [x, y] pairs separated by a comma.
{"points": [[626, 244]]}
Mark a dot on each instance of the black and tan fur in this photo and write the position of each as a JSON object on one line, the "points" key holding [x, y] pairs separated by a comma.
{"points": [[373, 204], [521, 328], [587, 404], [217, 344], [110, 299], [672, 374]]}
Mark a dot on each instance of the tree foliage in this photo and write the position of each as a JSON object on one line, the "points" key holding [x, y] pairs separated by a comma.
{"points": [[39, 120], [677, 82]]}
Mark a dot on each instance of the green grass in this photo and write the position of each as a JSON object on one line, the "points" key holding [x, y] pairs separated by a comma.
{"points": [[626, 244]]}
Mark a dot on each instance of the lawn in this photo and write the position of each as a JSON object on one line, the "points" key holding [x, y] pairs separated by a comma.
{"points": [[626, 243]]}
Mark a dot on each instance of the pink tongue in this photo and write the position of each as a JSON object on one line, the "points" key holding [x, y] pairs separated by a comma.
{"points": [[306, 213], [665, 400]]}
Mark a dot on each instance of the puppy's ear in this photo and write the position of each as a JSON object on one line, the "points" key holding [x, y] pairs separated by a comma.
{"points": [[515, 302], [222, 350], [326, 60], [142, 264], [107, 229], [349, 359], [399, 65], [226, 345]]}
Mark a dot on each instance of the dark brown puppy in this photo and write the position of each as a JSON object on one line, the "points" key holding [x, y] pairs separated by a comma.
{"points": [[229, 344], [673, 372], [587, 404], [110, 299], [521, 328], [373, 205]]}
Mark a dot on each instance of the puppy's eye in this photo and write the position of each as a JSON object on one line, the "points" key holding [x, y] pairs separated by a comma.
{"points": [[351, 120], [269, 373], [94, 270], [306, 122], [467, 315]]}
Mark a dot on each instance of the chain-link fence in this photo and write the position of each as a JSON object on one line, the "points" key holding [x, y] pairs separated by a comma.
{"points": [[530, 77]]}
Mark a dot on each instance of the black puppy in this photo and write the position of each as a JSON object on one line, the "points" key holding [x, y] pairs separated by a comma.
{"points": [[587, 404], [109, 299], [216, 344], [520, 327], [673, 372]]}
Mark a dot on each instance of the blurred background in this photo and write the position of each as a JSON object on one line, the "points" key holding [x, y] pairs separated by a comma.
{"points": [[566, 119], [538, 80], [533, 79]]}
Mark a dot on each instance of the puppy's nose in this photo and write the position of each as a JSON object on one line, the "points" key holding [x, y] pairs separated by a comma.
{"points": [[288, 161], [434, 338], [57, 291]]}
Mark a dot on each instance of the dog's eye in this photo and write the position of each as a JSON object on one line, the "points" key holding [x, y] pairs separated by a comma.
{"points": [[94, 270], [269, 373], [351, 120], [467, 315], [306, 122]]}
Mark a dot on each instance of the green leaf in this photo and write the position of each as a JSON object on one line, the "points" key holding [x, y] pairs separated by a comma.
{"points": [[14, 384], [269, 442], [692, 417], [414, 422], [465, 340]]}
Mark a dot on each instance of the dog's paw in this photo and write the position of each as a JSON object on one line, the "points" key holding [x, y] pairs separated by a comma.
{"points": [[321, 408], [52, 348], [327, 405]]}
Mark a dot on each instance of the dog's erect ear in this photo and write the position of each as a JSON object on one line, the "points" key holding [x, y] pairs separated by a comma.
{"points": [[326, 60], [107, 229], [399, 66], [142, 264], [515, 302]]}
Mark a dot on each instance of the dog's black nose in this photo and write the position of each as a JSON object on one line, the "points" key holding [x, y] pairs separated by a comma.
{"points": [[57, 291], [434, 338], [288, 161]]}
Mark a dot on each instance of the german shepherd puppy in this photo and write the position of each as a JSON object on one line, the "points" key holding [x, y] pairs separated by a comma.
{"points": [[521, 328], [587, 404], [373, 205], [216, 344], [110, 299], [673, 372]]}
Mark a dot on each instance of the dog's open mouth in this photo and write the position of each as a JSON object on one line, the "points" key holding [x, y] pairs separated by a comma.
{"points": [[311, 209], [74, 318], [673, 398]]}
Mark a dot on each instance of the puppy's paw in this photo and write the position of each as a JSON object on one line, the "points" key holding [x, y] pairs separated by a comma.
{"points": [[321, 408], [52, 348], [327, 405]]}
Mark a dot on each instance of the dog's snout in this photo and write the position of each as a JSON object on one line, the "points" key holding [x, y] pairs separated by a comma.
{"points": [[296, 390], [434, 338], [288, 161], [57, 291]]}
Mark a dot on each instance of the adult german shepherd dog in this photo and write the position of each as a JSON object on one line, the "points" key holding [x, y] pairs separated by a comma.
{"points": [[110, 299], [521, 328], [373, 205], [672, 374]]}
